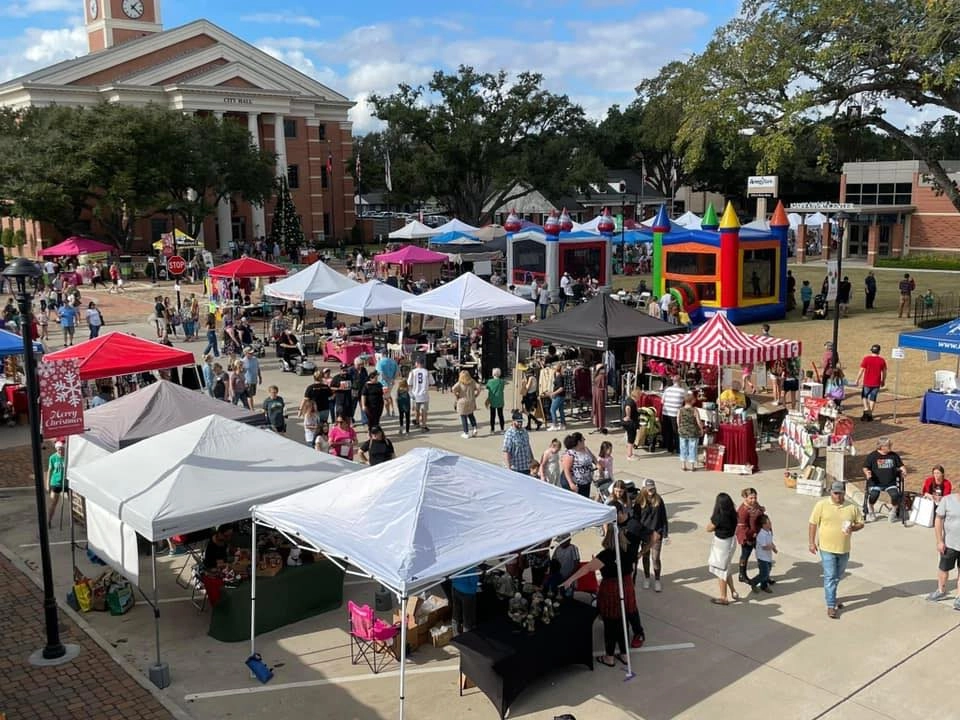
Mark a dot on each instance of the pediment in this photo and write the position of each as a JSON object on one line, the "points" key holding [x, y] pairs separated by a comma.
{"points": [[200, 53]]}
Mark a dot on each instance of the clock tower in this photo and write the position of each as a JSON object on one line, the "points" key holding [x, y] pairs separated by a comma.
{"points": [[113, 22]]}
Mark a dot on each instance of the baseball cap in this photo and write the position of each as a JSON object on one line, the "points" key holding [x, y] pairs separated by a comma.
{"points": [[516, 416], [344, 366], [838, 487], [58, 444], [248, 350], [875, 349], [650, 483]]}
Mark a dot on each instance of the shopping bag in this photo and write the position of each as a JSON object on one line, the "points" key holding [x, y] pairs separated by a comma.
{"points": [[84, 595], [259, 668], [120, 598], [922, 512]]}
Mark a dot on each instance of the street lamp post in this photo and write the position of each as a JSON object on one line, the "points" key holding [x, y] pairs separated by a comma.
{"points": [[842, 219], [20, 272]]}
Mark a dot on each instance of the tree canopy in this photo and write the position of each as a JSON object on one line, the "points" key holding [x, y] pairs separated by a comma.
{"points": [[787, 69], [470, 137], [117, 164]]}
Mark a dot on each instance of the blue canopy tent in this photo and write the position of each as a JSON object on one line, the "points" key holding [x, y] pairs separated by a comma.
{"points": [[12, 344], [632, 237], [940, 339], [455, 237]]}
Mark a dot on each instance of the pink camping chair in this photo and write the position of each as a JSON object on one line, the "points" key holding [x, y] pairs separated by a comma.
{"points": [[371, 639]]}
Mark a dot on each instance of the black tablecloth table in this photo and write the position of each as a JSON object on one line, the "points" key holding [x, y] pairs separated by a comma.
{"points": [[295, 594], [502, 662], [740, 444]]}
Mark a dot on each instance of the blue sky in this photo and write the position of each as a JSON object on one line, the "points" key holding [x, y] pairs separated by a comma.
{"points": [[596, 51]]}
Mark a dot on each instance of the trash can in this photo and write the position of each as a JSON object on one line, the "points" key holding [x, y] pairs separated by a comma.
{"points": [[126, 266]]}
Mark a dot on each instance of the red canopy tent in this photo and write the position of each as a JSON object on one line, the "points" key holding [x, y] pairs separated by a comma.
{"points": [[246, 267], [718, 342], [411, 255], [117, 353], [77, 245]]}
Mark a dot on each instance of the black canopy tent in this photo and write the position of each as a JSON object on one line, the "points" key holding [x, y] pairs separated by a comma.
{"points": [[596, 323]]}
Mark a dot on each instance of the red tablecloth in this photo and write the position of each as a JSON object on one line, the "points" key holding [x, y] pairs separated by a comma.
{"points": [[346, 352], [740, 444]]}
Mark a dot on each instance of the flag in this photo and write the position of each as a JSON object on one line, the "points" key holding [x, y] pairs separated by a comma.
{"points": [[330, 164], [358, 168], [386, 171]]}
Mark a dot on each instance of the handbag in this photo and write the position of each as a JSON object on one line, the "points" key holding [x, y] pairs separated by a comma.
{"points": [[259, 668]]}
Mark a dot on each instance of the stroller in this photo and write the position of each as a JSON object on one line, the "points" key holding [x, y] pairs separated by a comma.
{"points": [[649, 428], [821, 307]]}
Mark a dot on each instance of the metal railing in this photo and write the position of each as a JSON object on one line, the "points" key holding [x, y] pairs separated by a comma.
{"points": [[935, 310]]}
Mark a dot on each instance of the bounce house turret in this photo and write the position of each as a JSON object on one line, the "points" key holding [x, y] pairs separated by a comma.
{"points": [[710, 221], [729, 256], [661, 225], [779, 228]]}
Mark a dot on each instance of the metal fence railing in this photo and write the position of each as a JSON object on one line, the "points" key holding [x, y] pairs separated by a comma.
{"points": [[935, 309]]}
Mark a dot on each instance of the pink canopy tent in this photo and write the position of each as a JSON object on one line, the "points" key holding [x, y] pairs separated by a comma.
{"points": [[77, 245], [247, 267], [718, 342], [410, 255]]}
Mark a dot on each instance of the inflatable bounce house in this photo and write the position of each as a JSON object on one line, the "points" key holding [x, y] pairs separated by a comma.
{"points": [[547, 253], [723, 268]]}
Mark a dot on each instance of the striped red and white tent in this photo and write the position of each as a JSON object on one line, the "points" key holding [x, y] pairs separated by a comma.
{"points": [[718, 342]]}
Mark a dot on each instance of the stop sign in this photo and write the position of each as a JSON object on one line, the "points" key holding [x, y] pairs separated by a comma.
{"points": [[176, 265]]}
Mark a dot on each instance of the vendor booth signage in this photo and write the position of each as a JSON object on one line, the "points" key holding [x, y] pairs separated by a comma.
{"points": [[61, 399]]}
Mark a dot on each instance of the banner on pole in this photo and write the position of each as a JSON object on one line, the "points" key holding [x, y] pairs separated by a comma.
{"points": [[832, 280], [61, 400]]}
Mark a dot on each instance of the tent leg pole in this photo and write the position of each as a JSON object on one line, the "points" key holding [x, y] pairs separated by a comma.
{"points": [[403, 650], [623, 607], [159, 672], [253, 587], [73, 537]]}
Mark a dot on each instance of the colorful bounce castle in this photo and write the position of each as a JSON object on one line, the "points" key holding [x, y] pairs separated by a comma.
{"points": [[722, 267]]}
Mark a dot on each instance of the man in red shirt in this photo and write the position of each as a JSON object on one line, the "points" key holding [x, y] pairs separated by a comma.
{"points": [[872, 377]]}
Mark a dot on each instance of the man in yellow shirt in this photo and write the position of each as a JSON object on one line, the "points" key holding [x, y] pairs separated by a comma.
{"points": [[833, 521]]}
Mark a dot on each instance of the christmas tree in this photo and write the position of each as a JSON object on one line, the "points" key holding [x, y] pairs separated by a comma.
{"points": [[285, 228]]}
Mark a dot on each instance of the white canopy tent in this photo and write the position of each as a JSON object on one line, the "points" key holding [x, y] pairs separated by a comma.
{"points": [[316, 281], [199, 475], [795, 220], [689, 220], [456, 226], [372, 298], [588, 226], [815, 219], [466, 298], [413, 230], [442, 522]]}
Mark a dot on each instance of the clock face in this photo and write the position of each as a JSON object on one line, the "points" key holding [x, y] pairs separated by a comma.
{"points": [[132, 8], [93, 8]]}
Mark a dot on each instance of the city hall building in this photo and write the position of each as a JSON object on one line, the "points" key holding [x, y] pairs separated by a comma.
{"points": [[201, 68]]}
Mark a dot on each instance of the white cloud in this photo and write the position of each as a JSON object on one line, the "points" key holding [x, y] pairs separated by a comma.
{"points": [[600, 64], [36, 48], [36, 7], [281, 18]]}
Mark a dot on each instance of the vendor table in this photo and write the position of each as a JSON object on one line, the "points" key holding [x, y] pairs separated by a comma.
{"points": [[740, 444], [346, 352], [502, 662], [294, 594], [940, 408]]}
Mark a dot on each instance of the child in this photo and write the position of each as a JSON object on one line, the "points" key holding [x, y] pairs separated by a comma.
{"points": [[311, 421], [273, 409], [605, 463], [534, 469], [765, 550], [320, 441], [806, 295], [403, 406]]}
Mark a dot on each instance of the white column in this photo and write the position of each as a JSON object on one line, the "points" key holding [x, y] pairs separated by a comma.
{"points": [[224, 213], [259, 224], [280, 144]]}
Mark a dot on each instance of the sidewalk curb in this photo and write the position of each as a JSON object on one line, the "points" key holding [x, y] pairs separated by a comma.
{"points": [[171, 707]]}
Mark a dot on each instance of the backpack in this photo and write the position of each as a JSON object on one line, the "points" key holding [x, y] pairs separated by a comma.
{"points": [[219, 388]]}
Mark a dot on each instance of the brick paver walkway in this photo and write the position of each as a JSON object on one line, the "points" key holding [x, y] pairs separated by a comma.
{"points": [[92, 686]]}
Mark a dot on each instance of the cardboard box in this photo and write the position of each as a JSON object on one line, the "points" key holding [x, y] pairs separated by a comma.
{"points": [[441, 635], [441, 611]]}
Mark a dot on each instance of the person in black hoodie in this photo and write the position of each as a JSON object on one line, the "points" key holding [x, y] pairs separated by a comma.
{"points": [[649, 523]]}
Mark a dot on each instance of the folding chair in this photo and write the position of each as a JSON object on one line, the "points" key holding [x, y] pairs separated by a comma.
{"points": [[371, 639]]}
